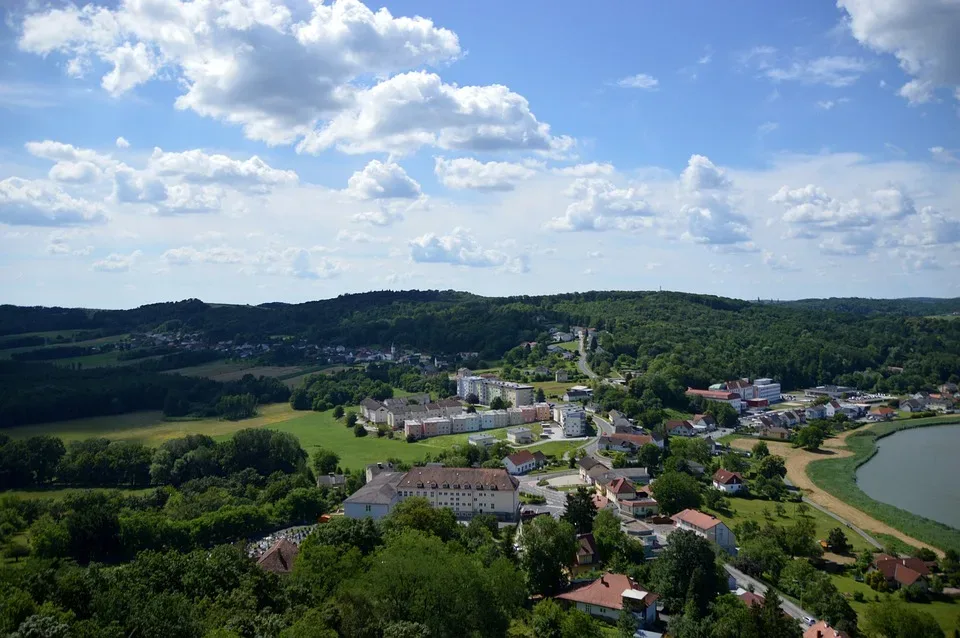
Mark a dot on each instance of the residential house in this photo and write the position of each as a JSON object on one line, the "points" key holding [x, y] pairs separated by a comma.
{"points": [[373, 411], [680, 428], [587, 463], [466, 422], [587, 555], [331, 480], [815, 412], [940, 402], [619, 422], [607, 596], [790, 418], [886, 413], [912, 405], [729, 482], [847, 409], [280, 557], [520, 436], [948, 388], [618, 489], [481, 440], [821, 629], [901, 572], [561, 376], [706, 526], [544, 411], [781, 434], [375, 499], [524, 461], [376, 468], [704, 422], [642, 505], [751, 599], [577, 392], [515, 416], [626, 443], [528, 413]]}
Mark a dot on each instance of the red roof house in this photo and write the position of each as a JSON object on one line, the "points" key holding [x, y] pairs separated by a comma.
{"points": [[280, 557], [609, 594]]}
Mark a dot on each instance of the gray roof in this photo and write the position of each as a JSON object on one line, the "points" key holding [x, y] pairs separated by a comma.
{"points": [[382, 490]]}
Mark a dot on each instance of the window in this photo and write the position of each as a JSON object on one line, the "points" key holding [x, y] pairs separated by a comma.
{"points": [[367, 508]]}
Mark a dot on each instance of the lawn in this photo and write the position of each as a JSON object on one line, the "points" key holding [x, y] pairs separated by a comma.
{"points": [[553, 388], [556, 448], [572, 346], [838, 477], [945, 611], [743, 509]]}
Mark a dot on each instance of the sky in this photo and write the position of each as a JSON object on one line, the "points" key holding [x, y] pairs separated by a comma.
{"points": [[245, 151]]}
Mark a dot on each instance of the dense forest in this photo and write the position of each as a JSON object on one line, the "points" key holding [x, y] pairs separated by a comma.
{"points": [[672, 340]]}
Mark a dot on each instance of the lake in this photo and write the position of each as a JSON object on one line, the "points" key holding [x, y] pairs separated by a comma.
{"points": [[916, 470]]}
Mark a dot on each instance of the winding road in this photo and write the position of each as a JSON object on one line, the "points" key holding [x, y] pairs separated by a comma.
{"points": [[582, 361]]}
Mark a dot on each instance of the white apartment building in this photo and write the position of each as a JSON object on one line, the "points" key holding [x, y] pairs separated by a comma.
{"points": [[571, 418], [488, 389], [466, 491], [486, 420], [515, 416], [767, 389], [466, 422], [437, 426]]}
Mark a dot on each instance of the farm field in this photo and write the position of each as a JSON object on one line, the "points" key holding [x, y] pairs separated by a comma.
{"points": [[150, 427], [227, 370], [744, 509], [6, 354]]}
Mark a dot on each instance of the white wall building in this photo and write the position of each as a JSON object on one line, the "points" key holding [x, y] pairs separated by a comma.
{"points": [[571, 418], [486, 420], [767, 389], [467, 422]]}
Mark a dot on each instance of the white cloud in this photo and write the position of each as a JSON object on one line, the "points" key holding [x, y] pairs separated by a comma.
{"points": [[60, 152], [198, 167], [291, 262], [190, 198], [835, 70], [767, 127], [186, 255], [943, 155], [826, 105], [132, 187], [359, 237], [639, 81], [921, 34], [122, 142], [778, 262], [461, 249], [116, 262], [467, 173], [34, 203], [593, 169], [708, 206], [601, 205], [132, 65], [378, 180], [383, 217], [74, 172], [417, 109]]}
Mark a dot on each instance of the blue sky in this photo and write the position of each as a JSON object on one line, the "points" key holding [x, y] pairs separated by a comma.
{"points": [[260, 150]]}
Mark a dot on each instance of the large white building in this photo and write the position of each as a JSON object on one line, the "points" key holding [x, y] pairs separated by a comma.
{"points": [[572, 419], [487, 389], [767, 389], [466, 422]]}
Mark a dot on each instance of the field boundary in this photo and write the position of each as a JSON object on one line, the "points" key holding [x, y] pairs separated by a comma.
{"points": [[839, 477]]}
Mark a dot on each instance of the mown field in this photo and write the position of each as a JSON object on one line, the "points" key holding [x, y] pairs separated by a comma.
{"points": [[838, 477], [752, 509], [553, 389]]}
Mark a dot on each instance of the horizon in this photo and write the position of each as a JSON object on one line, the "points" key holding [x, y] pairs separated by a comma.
{"points": [[462, 291], [780, 151]]}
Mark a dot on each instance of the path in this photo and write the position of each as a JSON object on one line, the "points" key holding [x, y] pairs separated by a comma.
{"points": [[797, 460], [582, 361]]}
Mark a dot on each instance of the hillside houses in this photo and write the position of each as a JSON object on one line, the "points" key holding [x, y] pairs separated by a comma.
{"points": [[680, 428], [626, 443], [706, 526]]}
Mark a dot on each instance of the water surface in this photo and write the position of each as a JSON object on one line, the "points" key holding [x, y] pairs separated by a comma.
{"points": [[917, 470]]}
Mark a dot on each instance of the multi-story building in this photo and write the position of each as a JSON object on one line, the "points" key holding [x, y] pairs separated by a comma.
{"points": [[487, 389], [741, 387], [766, 389], [467, 491], [577, 392], [376, 498], [544, 412], [529, 413], [399, 413], [436, 426], [466, 422], [414, 428], [571, 418], [481, 440], [515, 416], [500, 418], [720, 396], [706, 526], [520, 436], [486, 420]]}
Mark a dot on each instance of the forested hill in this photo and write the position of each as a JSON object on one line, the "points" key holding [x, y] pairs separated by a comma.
{"points": [[797, 342]]}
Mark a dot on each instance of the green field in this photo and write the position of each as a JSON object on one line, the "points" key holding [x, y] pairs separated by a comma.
{"points": [[838, 477], [744, 509], [945, 611], [556, 448], [553, 388], [61, 492], [6, 354], [572, 346]]}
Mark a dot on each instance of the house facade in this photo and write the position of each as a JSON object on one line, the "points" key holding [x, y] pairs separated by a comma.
{"points": [[729, 482], [466, 491], [524, 461], [680, 428], [706, 526], [520, 436], [376, 498], [607, 596]]}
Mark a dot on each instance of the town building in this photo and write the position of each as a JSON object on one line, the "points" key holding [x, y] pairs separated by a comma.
{"points": [[528, 413], [398, 414], [912, 405], [373, 411], [571, 418], [706, 526], [486, 420], [375, 499], [465, 422], [481, 440], [815, 412], [901, 572], [626, 443], [500, 418], [520, 436], [832, 391], [280, 557], [775, 432], [729, 482], [821, 629], [515, 416], [642, 505], [467, 491], [741, 387], [577, 392], [524, 461], [607, 596], [704, 422], [766, 389], [720, 396], [680, 428], [587, 556], [544, 411]]}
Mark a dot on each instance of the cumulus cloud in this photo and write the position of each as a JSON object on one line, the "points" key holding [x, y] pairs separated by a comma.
{"points": [[600, 205], [708, 206], [383, 217], [133, 187], [200, 168], [416, 109], [33, 203], [60, 152], [921, 34], [461, 249], [183, 199], [467, 173], [379, 180], [74, 172], [122, 142], [116, 262], [639, 81], [226, 55], [593, 169]]}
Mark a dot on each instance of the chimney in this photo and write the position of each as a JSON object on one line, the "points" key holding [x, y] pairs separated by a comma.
{"points": [[602, 581], [819, 634]]}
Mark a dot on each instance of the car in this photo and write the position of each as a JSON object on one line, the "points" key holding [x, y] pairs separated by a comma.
{"points": [[810, 621]]}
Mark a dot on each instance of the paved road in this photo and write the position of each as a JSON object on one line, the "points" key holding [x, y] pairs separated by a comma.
{"points": [[582, 361], [528, 485], [743, 581], [863, 534]]}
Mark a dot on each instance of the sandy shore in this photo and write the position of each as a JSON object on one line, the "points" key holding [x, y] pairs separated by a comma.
{"points": [[796, 461]]}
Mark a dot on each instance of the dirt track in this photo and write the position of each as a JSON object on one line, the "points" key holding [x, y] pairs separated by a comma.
{"points": [[797, 460]]}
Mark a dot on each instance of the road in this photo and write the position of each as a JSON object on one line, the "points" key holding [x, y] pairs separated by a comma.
{"points": [[582, 361], [743, 581], [603, 427], [556, 501]]}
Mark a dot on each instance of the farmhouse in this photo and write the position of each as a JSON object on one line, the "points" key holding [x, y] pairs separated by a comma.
{"points": [[524, 461], [729, 482], [901, 572]]}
